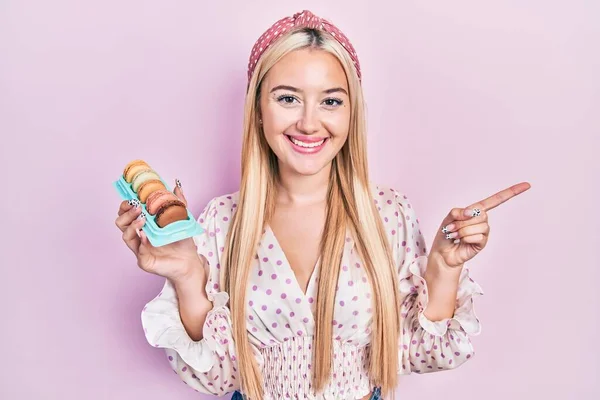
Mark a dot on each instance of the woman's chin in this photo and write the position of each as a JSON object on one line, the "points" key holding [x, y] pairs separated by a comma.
{"points": [[307, 168]]}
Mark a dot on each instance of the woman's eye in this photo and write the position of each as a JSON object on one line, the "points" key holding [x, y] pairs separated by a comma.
{"points": [[333, 102], [286, 99]]}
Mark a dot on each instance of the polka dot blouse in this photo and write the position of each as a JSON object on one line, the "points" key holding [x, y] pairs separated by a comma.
{"points": [[281, 317]]}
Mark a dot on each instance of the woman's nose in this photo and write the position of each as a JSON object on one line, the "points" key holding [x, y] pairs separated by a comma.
{"points": [[309, 122]]}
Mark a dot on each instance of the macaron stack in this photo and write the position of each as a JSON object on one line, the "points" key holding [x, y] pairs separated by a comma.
{"points": [[162, 204]]}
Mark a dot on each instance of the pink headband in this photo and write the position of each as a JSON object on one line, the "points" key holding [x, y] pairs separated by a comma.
{"points": [[305, 19]]}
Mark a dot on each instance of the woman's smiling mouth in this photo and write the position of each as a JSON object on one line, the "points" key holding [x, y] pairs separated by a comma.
{"points": [[305, 144]]}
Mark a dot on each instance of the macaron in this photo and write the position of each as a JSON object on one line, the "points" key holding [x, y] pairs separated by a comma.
{"points": [[143, 176], [148, 187], [156, 199], [169, 212], [133, 168]]}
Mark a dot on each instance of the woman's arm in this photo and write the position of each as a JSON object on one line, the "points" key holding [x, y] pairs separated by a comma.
{"points": [[442, 282], [194, 304], [190, 317], [437, 311]]}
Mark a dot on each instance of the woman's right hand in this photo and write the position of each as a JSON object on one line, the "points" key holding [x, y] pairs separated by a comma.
{"points": [[175, 261]]}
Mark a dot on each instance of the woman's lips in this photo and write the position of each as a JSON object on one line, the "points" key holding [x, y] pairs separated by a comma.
{"points": [[307, 145]]}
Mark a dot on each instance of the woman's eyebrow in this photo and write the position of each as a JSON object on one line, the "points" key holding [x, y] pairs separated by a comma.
{"points": [[286, 87], [296, 90], [337, 89]]}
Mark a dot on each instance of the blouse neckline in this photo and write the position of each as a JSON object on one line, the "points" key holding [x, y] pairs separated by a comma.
{"points": [[286, 266]]}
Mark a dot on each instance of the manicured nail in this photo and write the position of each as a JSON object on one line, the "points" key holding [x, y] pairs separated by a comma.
{"points": [[475, 212], [451, 235], [178, 183], [457, 241], [448, 228], [142, 215], [134, 202]]}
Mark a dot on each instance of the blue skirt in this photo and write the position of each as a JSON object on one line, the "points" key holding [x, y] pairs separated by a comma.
{"points": [[376, 395]]}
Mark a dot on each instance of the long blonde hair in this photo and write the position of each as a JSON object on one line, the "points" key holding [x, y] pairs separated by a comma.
{"points": [[350, 206]]}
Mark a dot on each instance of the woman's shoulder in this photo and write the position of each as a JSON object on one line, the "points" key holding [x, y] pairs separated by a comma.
{"points": [[218, 211], [223, 202], [390, 201], [400, 221]]}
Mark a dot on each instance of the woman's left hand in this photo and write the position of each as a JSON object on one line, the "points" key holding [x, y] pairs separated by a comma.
{"points": [[469, 231]]}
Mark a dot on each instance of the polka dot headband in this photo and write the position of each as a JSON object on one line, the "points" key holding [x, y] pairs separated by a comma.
{"points": [[304, 19]]}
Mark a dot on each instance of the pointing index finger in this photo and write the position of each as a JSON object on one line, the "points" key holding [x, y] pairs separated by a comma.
{"points": [[501, 197]]}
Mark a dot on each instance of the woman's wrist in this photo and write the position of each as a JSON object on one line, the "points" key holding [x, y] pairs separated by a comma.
{"points": [[193, 301], [442, 282], [192, 284], [189, 270]]}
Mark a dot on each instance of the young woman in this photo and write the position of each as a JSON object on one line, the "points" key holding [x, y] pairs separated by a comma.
{"points": [[310, 281]]}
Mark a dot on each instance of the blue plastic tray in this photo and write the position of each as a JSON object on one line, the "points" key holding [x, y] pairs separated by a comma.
{"points": [[157, 236]]}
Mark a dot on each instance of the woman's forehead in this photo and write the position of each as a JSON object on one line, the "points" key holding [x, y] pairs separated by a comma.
{"points": [[307, 69]]}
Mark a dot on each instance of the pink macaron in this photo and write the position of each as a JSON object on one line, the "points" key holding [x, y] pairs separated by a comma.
{"points": [[158, 198]]}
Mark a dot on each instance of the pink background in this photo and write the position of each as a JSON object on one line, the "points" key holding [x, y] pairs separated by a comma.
{"points": [[465, 98]]}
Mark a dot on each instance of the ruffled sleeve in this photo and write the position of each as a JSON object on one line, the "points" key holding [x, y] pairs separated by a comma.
{"points": [[209, 365], [428, 346]]}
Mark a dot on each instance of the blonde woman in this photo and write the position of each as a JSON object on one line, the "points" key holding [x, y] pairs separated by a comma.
{"points": [[310, 281]]}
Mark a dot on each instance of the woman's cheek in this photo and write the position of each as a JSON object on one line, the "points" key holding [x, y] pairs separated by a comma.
{"points": [[284, 118], [339, 125]]}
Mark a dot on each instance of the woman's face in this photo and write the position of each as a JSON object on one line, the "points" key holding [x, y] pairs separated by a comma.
{"points": [[305, 109]]}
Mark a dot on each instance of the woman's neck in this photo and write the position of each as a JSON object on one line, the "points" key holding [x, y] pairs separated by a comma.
{"points": [[297, 189]]}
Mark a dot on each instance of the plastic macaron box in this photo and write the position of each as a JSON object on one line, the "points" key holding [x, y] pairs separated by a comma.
{"points": [[167, 218]]}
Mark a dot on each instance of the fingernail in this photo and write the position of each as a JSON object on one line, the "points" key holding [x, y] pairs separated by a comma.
{"points": [[448, 228], [137, 231], [457, 241], [142, 215], [134, 202], [178, 183], [475, 212], [451, 235]]}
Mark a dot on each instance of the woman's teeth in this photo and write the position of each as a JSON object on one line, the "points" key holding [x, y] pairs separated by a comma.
{"points": [[307, 145]]}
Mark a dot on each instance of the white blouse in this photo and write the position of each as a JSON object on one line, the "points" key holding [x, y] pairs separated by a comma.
{"points": [[281, 320]]}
